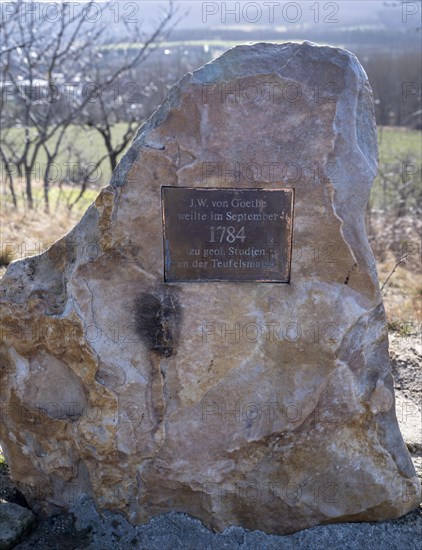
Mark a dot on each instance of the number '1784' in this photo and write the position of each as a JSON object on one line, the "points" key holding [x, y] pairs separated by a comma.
{"points": [[221, 234]]}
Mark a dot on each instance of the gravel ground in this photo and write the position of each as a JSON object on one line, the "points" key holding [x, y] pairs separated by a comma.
{"points": [[84, 529], [180, 532]]}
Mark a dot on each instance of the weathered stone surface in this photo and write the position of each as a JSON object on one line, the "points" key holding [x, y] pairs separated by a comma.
{"points": [[268, 406], [15, 521]]}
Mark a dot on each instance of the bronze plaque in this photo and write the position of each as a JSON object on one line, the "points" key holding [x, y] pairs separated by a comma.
{"points": [[227, 234]]}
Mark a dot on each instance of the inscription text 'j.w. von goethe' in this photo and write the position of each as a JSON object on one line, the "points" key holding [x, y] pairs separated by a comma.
{"points": [[227, 234]]}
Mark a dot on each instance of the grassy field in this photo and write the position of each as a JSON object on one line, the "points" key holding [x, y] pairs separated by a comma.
{"points": [[395, 144], [87, 145]]}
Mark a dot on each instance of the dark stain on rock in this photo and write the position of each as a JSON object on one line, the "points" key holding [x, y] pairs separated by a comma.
{"points": [[157, 318], [5, 363], [346, 280]]}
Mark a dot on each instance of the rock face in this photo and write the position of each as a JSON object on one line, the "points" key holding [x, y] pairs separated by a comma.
{"points": [[264, 405], [15, 522]]}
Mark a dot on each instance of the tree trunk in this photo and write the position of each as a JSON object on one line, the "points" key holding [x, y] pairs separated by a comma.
{"points": [[9, 176], [28, 187], [46, 187]]}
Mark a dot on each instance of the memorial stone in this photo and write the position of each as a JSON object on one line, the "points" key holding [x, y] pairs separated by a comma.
{"points": [[210, 338]]}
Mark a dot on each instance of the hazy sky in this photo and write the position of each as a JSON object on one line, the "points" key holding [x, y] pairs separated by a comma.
{"points": [[286, 14], [281, 13]]}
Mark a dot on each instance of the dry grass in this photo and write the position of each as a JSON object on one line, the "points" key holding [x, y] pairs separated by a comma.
{"points": [[391, 242], [25, 232], [403, 301]]}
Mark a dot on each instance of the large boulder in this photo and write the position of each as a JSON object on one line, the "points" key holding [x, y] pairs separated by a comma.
{"points": [[264, 405]]}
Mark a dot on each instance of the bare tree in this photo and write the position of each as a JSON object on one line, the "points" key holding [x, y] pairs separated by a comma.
{"points": [[47, 62], [8, 47], [395, 80]]}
